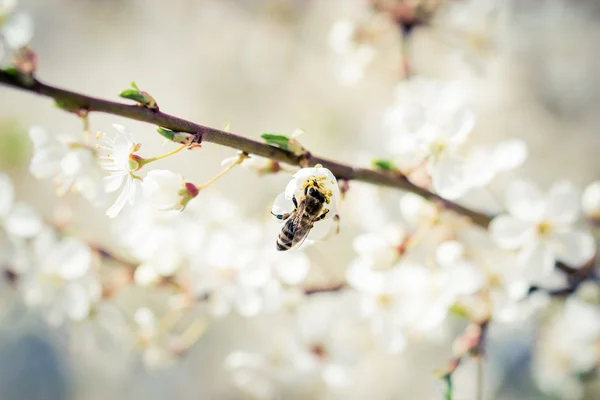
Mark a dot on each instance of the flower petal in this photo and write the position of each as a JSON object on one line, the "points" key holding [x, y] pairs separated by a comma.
{"points": [[116, 208], [563, 203], [321, 229], [448, 177], [23, 221], [524, 201], [113, 182], [509, 232], [282, 205], [478, 169], [18, 30], [537, 260], [509, 154], [74, 258], [574, 248]]}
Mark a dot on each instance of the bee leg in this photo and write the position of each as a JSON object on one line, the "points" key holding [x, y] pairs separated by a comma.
{"points": [[320, 217], [282, 217], [295, 201]]}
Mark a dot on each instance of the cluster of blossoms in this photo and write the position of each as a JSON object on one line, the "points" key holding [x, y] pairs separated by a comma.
{"points": [[429, 127]]}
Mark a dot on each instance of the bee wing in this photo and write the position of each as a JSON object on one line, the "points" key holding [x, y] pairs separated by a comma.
{"points": [[300, 234]]}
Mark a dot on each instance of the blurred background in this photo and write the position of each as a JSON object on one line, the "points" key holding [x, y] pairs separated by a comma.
{"points": [[531, 69]]}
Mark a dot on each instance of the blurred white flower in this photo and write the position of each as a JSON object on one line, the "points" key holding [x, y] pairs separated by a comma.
{"points": [[417, 211], [167, 190], [69, 164], [103, 338], [19, 220], [150, 332], [428, 127], [475, 29], [590, 201], [381, 303], [117, 157], [352, 51], [321, 179], [410, 298], [61, 281], [381, 250], [231, 272], [483, 163], [569, 348], [313, 358], [541, 228], [16, 28], [431, 122]]}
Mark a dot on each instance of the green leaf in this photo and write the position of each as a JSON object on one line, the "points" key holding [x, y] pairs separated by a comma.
{"points": [[11, 71], [66, 105], [133, 94], [133, 85], [276, 140], [166, 133], [384, 165]]}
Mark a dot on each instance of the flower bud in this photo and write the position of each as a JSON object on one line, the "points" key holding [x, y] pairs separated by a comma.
{"points": [[25, 61]]}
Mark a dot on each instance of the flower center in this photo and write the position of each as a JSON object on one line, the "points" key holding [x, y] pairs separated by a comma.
{"points": [[384, 300], [319, 351], [437, 148], [544, 228]]}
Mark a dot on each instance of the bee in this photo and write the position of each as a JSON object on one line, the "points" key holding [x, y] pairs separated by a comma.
{"points": [[309, 210]]}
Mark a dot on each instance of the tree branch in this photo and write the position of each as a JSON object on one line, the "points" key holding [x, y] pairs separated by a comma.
{"points": [[79, 102], [76, 101]]}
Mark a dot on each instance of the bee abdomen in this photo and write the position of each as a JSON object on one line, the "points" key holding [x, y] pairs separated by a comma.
{"points": [[285, 241], [283, 246]]}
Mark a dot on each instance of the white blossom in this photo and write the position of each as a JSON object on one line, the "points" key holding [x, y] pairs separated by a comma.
{"points": [[61, 281], [432, 122], [16, 28], [117, 157], [541, 228], [381, 250], [69, 164], [230, 271], [327, 182], [475, 28], [429, 125], [315, 357], [18, 219], [568, 349], [352, 54]]}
